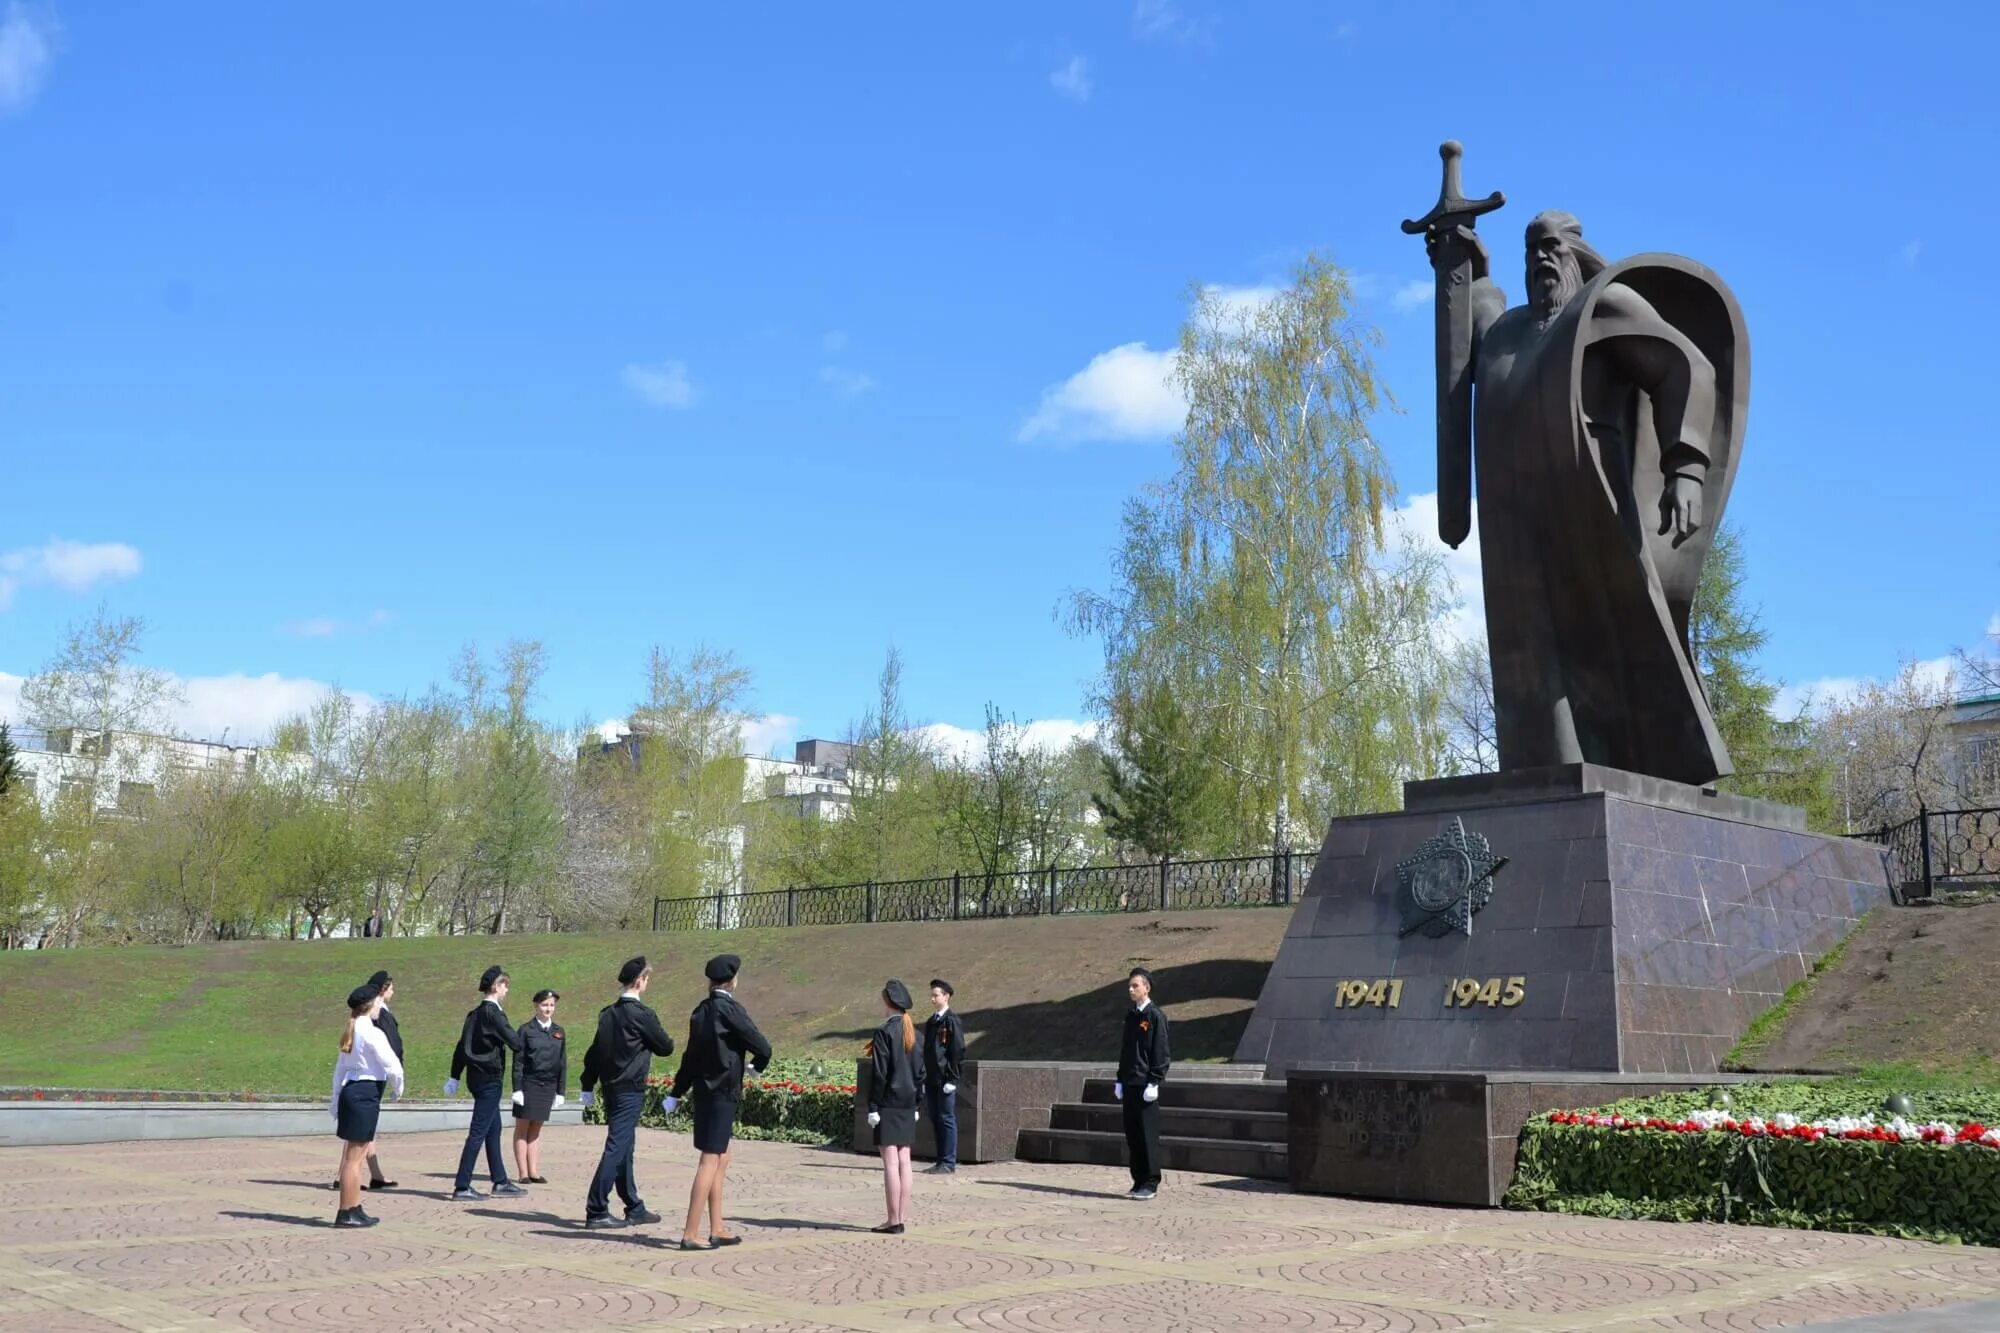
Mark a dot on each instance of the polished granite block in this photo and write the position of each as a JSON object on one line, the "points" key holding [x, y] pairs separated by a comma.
{"points": [[1646, 926]]}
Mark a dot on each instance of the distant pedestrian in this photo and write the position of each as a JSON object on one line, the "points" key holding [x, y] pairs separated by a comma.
{"points": [[481, 1056], [895, 1092], [365, 1066], [541, 1076], [722, 1042], [620, 1057], [372, 927], [1143, 1060], [944, 1058]]}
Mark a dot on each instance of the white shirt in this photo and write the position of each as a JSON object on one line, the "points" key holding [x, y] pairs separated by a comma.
{"points": [[371, 1058]]}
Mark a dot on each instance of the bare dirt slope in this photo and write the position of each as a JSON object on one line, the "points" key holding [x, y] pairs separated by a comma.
{"points": [[1917, 986]]}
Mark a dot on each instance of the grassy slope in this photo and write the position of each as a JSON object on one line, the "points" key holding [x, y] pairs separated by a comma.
{"points": [[264, 1017]]}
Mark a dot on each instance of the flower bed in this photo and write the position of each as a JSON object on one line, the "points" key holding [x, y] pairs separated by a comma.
{"points": [[788, 1104], [1802, 1155]]}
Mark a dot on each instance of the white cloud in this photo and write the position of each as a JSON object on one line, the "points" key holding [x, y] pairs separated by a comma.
{"points": [[379, 617], [1993, 626], [664, 385], [1073, 79], [1827, 691], [27, 45], [969, 743], [71, 566], [1416, 522], [1414, 293], [1345, 31], [771, 732], [1241, 302], [248, 708], [1126, 393], [833, 340], [846, 383], [1165, 21], [1911, 253], [322, 627]]}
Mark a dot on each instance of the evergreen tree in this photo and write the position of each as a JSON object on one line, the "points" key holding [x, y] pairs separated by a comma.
{"points": [[1156, 787], [9, 768]]}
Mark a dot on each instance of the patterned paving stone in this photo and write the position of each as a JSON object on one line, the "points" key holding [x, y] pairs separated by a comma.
{"points": [[236, 1235]]}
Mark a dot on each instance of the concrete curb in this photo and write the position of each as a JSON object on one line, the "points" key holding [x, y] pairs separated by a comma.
{"points": [[32, 1123]]}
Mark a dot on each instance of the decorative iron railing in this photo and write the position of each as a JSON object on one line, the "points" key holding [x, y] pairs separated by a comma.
{"points": [[1271, 880], [1956, 848]]}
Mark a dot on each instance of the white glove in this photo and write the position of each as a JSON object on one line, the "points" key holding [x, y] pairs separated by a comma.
{"points": [[560, 1099], [667, 1104], [916, 1114], [874, 1119], [451, 1087], [950, 1088], [1118, 1092], [588, 1098], [520, 1099], [1152, 1092]]}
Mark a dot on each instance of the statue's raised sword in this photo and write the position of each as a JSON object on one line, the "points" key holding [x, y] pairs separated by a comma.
{"points": [[1452, 261]]}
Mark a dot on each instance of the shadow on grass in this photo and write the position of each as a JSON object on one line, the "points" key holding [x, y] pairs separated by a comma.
{"points": [[1085, 1026]]}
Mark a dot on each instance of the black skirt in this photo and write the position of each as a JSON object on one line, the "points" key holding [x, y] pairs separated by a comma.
{"points": [[538, 1100], [714, 1123], [898, 1128], [360, 1108]]}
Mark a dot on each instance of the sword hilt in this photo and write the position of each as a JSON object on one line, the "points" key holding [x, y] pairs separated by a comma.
{"points": [[1452, 208]]}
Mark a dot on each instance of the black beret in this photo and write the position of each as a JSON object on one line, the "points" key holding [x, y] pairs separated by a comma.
{"points": [[897, 994], [489, 976], [362, 995], [380, 979], [722, 967], [634, 968], [546, 994]]}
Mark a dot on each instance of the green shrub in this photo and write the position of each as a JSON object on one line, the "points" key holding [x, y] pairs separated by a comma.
{"points": [[1923, 1190], [794, 1101]]}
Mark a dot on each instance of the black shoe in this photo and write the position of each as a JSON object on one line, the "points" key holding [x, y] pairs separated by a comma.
{"points": [[467, 1195], [888, 1229], [507, 1189], [363, 1215], [723, 1242], [380, 1185], [353, 1217], [604, 1223], [640, 1217], [687, 1244], [534, 1180], [1143, 1192], [941, 1169]]}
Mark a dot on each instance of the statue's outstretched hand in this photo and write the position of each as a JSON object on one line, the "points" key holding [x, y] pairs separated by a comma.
{"points": [[1680, 508], [1458, 241]]}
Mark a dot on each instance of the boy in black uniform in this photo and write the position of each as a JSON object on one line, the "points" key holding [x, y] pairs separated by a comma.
{"points": [[944, 1053], [721, 1041], [481, 1056], [629, 1035], [1143, 1060]]}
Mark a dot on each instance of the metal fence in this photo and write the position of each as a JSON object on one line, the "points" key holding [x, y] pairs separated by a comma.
{"points": [[1271, 880], [1949, 848]]}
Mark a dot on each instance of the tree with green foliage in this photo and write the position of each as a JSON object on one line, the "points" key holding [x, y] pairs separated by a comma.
{"points": [[516, 823], [1157, 794], [689, 776], [1775, 757], [9, 764], [1258, 582]]}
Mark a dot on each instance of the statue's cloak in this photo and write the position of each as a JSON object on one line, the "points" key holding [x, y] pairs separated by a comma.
{"points": [[1587, 603]]}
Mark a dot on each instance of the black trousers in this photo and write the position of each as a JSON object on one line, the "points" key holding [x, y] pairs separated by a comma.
{"points": [[483, 1132], [621, 1119], [1142, 1137]]}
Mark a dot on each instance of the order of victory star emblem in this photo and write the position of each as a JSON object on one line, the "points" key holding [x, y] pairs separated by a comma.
{"points": [[1446, 881]]}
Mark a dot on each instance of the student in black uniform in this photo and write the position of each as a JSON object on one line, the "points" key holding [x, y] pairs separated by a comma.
{"points": [[385, 1023], [895, 1091], [944, 1054], [365, 1066], [541, 1075], [481, 1056], [1143, 1060], [620, 1057], [721, 1041]]}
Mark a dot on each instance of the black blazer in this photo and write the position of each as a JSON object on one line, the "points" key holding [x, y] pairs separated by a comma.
{"points": [[544, 1057], [629, 1035], [721, 1042], [1143, 1056], [944, 1048], [483, 1043], [385, 1022], [896, 1076]]}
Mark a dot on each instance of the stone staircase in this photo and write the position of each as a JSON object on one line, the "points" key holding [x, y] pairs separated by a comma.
{"points": [[1230, 1127]]}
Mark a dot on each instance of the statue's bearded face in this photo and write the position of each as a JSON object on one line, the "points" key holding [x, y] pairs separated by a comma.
{"points": [[1554, 274]]}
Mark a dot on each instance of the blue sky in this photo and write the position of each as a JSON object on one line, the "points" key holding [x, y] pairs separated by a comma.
{"points": [[332, 338]]}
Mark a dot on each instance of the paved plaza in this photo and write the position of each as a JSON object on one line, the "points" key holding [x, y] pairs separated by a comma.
{"points": [[236, 1234]]}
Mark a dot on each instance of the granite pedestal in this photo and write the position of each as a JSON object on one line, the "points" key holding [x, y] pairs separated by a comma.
{"points": [[1638, 926]]}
